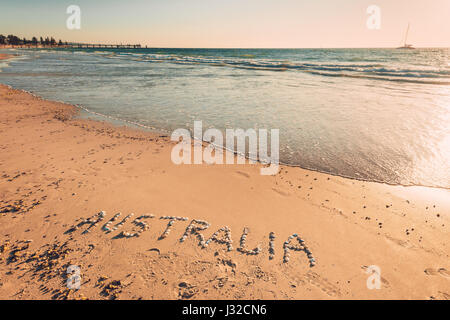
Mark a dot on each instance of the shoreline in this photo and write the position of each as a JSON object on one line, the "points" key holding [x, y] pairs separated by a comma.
{"points": [[158, 131], [139, 126], [57, 169]]}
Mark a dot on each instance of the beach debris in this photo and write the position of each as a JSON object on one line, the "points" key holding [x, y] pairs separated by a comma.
{"points": [[112, 289], [193, 228], [271, 245], [5, 246], [17, 253], [10, 208], [18, 206], [242, 242], [81, 297], [186, 290], [226, 239], [101, 280], [61, 294], [166, 232], [287, 246], [140, 223], [50, 258]]}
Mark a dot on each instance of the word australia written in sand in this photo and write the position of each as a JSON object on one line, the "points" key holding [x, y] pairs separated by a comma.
{"points": [[194, 229]]}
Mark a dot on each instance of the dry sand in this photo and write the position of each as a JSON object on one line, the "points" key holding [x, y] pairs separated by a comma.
{"points": [[56, 170]]}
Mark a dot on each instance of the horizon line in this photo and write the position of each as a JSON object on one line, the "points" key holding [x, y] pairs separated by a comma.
{"points": [[235, 48], [144, 46]]}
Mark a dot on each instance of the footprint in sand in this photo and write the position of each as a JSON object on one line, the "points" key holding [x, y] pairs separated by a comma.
{"points": [[401, 243], [444, 272], [282, 193], [186, 290], [243, 174], [430, 272], [323, 284], [434, 272]]}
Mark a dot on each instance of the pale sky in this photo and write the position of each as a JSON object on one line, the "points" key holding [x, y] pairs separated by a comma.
{"points": [[233, 23]]}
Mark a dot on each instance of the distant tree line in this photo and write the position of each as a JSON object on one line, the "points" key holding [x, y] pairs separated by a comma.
{"points": [[14, 40]]}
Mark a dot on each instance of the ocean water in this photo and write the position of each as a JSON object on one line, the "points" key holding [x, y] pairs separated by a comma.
{"points": [[371, 114]]}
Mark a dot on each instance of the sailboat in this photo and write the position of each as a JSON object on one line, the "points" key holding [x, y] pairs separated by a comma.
{"points": [[406, 45]]}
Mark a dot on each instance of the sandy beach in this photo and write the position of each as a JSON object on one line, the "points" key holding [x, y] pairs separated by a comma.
{"points": [[58, 170]]}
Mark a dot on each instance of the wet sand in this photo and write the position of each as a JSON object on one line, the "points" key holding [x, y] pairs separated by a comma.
{"points": [[57, 170]]}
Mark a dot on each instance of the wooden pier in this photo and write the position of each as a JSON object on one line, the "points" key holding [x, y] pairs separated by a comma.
{"points": [[103, 46]]}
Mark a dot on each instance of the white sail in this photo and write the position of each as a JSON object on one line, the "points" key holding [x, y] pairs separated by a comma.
{"points": [[405, 43]]}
